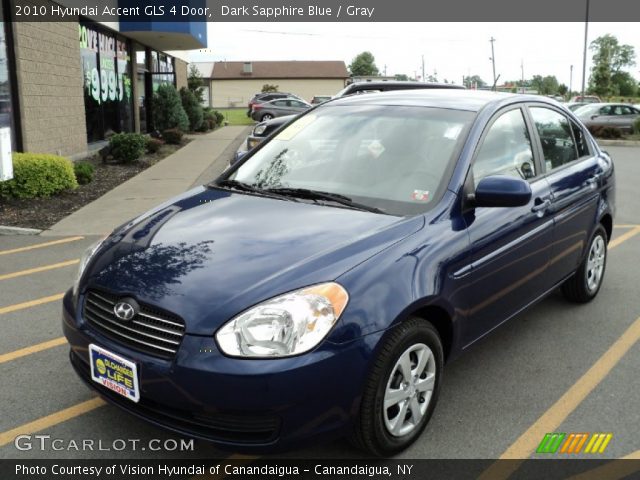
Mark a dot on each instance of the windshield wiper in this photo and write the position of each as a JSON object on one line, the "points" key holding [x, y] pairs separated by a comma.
{"points": [[247, 187], [327, 196]]}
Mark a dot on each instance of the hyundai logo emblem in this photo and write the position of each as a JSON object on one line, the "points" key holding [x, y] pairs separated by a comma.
{"points": [[126, 309]]}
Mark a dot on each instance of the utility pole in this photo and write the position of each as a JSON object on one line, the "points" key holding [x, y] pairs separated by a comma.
{"points": [[493, 62], [522, 71], [423, 68], [584, 52], [385, 70]]}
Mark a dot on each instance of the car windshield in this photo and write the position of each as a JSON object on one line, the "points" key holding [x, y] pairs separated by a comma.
{"points": [[586, 110], [396, 159]]}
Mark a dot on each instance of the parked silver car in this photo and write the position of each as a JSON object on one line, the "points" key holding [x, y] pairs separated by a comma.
{"points": [[617, 115], [278, 108]]}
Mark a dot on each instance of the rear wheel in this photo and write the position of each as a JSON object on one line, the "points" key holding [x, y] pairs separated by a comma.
{"points": [[584, 285], [402, 389]]}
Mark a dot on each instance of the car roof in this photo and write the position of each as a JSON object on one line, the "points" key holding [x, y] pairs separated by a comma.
{"points": [[471, 100]]}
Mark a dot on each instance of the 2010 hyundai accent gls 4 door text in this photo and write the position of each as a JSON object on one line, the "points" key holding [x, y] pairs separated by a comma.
{"points": [[320, 284]]}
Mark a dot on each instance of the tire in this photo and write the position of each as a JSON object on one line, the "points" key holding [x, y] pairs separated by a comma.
{"points": [[585, 283], [266, 116], [385, 431]]}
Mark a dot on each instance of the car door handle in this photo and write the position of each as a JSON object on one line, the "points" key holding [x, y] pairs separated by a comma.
{"points": [[543, 205], [592, 180]]}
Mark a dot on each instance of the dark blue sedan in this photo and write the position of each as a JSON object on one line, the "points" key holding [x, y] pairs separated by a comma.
{"points": [[318, 286]]}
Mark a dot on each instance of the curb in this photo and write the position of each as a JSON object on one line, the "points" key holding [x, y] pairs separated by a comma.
{"points": [[618, 143], [18, 231]]}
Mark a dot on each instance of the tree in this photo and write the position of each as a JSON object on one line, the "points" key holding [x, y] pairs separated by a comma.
{"points": [[363, 65], [474, 81], [195, 82], [192, 108], [609, 60], [563, 89], [266, 88], [167, 109], [545, 85], [401, 77], [624, 84]]}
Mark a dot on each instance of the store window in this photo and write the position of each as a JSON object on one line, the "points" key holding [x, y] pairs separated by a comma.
{"points": [[106, 67], [6, 104]]}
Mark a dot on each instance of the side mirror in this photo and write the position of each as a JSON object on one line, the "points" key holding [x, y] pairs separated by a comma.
{"points": [[502, 191], [236, 157], [593, 117]]}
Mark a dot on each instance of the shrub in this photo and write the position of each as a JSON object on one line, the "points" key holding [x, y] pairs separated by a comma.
{"points": [[167, 109], [127, 147], [605, 132], [39, 175], [636, 126], [153, 145], [219, 117], [172, 136], [210, 119], [84, 172], [192, 108]]}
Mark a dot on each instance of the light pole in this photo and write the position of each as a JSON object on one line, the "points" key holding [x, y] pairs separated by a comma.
{"points": [[493, 62], [584, 52], [570, 79]]}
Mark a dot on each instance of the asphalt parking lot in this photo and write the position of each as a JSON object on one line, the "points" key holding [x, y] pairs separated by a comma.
{"points": [[556, 368]]}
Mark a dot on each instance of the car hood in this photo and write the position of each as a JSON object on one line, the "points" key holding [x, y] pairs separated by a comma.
{"points": [[213, 253]]}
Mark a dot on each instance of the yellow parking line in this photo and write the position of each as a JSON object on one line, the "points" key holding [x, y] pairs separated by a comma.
{"points": [[23, 352], [614, 470], [50, 420], [44, 268], [624, 237], [625, 225], [559, 411], [31, 303], [40, 245]]}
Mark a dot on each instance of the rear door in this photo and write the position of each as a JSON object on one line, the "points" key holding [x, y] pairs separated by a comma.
{"points": [[573, 173], [511, 246]]}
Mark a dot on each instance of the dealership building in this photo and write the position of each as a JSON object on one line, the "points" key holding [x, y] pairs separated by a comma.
{"points": [[65, 86]]}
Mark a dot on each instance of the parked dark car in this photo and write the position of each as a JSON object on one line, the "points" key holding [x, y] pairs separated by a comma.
{"points": [[317, 288], [267, 97], [266, 128], [278, 108], [618, 115]]}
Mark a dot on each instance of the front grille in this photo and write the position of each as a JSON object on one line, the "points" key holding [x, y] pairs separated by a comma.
{"points": [[151, 330]]}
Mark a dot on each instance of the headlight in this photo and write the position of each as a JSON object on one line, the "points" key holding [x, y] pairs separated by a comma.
{"points": [[287, 325], [84, 261], [260, 128]]}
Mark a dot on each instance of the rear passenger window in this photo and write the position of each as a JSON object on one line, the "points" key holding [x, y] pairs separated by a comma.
{"points": [[556, 136], [506, 149]]}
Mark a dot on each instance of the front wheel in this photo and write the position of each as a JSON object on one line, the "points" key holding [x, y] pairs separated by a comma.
{"points": [[402, 389], [265, 117], [584, 285]]}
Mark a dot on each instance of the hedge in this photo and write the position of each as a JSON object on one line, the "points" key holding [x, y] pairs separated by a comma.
{"points": [[39, 175]]}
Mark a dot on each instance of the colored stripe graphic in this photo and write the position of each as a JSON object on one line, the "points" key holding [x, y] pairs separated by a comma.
{"points": [[550, 442], [572, 443], [598, 443]]}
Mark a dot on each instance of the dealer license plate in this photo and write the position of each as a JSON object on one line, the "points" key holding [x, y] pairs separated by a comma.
{"points": [[114, 372]]}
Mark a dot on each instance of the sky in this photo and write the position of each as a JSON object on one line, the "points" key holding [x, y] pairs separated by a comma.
{"points": [[450, 49]]}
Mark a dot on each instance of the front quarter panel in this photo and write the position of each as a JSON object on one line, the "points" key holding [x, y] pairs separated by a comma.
{"points": [[418, 272]]}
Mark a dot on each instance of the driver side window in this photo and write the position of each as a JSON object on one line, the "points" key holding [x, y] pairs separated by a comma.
{"points": [[506, 149]]}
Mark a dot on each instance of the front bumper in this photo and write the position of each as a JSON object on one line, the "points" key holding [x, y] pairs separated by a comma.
{"points": [[241, 404]]}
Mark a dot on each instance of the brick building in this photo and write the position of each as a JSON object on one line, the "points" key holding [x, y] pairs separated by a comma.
{"points": [[65, 86]]}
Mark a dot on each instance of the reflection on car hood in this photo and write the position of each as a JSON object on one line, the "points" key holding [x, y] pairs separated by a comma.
{"points": [[215, 253]]}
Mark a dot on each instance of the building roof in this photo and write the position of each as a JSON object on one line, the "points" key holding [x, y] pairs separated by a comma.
{"points": [[205, 68], [279, 69]]}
